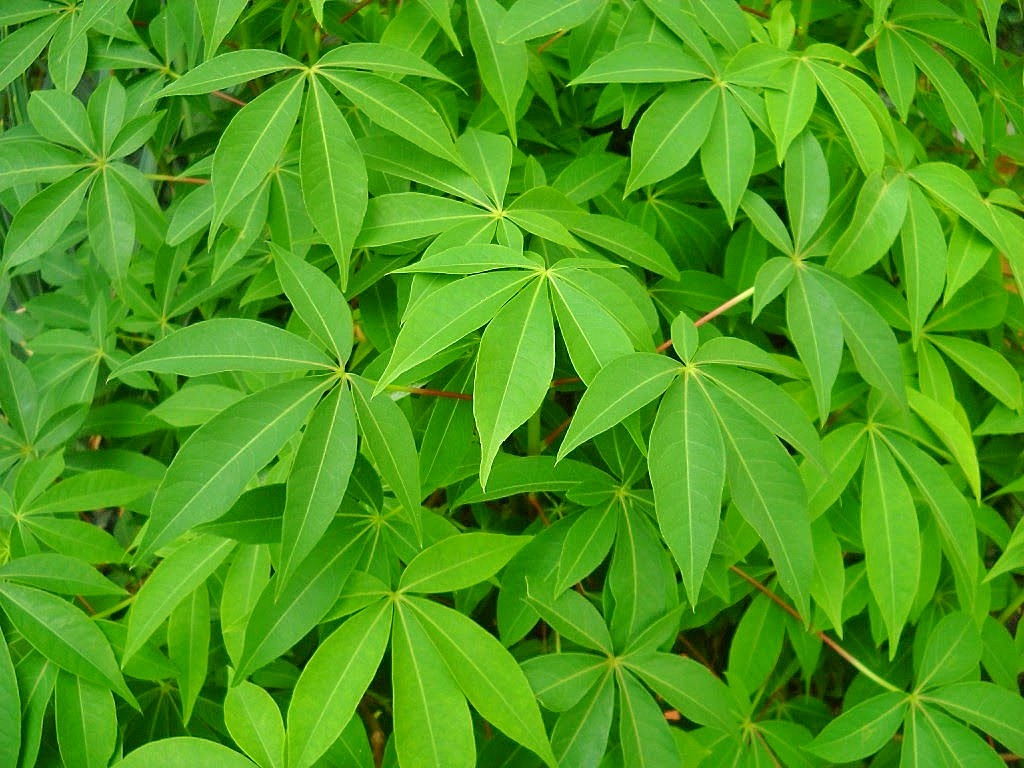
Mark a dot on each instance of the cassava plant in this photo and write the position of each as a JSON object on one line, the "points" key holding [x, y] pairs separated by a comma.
{"points": [[439, 384]]}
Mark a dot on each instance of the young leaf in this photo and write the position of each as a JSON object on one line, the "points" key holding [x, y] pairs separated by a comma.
{"points": [[333, 175], [687, 466], [333, 682], [513, 369], [219, 459]]}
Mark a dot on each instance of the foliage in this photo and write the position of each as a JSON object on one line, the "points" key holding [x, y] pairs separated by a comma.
{"points": [[548, 382]]}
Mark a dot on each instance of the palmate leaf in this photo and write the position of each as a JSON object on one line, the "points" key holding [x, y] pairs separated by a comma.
{"points": [[226, 344], [861, 730], [817, 334], [513, 369], [503, 66], [228, 69], [379, 57], [10, 706], [647, 62], [215, 464], [333, 682], [252, 144], [644, 734], [458, 562], [687, 466], [769, 493], [333, 175], [254, 722], [40, 222], [183, 751], [86, 721], [528, 19], [727, 155]]}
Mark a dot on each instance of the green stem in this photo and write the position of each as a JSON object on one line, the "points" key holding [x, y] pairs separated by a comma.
{"points": [[802, 23]]}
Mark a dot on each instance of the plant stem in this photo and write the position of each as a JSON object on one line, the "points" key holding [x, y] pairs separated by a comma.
{"points": [[845, 654]]}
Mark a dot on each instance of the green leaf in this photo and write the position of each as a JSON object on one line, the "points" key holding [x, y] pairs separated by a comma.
{"points": [[767, 489], [280, 618], [44, 218], [389, 442], [817, 334], [457, 562], [924, 258], [333, 175], [952, 433], [766, 221], [111, 226], [644, 62], [580, 736], [690, 688], [229, 69], [397, 108], [213, 346], [20, 48], [727, 156], [64, 635], [188, 646], [869, 337], [573, 617], [877, 219], [447, 315], [896, 68], [586, 544], [58, 573], [252, 144], [333, 681], [626, 240], [10, 707], [487, 674], [217, 462], [892, 541], [433, 728], [528, 19], [996, 711], [687, 466], [807, 187], [380, 57], [319, 477], [184, 752], [670, 132], [953, 651], [861, 730], [932, 738], [769, 404], [61, 118], [90, 490], [217, 19], [644, 734], [984, 365], [254, 722], [621, 388], [317, 300], [950, 509], [86, 721], [513, 369], [470, 260], [857, 122], [169, 584], [488, 156], [956, 97], [401, 216], [502, 66], [790, 109], [561, 680]]}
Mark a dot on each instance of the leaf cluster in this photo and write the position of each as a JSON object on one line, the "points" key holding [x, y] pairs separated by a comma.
{"points": [[580, 383]]}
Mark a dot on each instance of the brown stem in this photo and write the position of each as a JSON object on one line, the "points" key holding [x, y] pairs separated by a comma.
{"points": [[557, 431], [229, 97], [754, 12], [354, 10], [551, 41]]}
